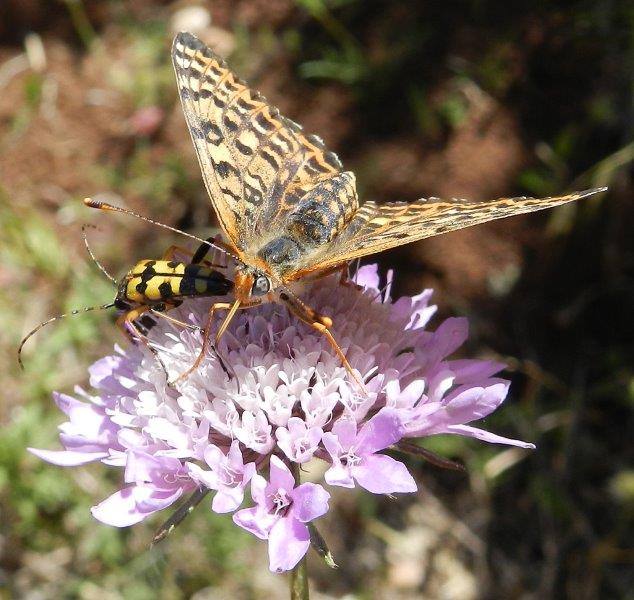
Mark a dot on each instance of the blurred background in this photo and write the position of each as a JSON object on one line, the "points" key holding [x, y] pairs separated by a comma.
{"points": [[472, 98]]}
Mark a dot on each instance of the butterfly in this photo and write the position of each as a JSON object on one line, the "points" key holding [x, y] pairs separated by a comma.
{"points": [[286, 205]]}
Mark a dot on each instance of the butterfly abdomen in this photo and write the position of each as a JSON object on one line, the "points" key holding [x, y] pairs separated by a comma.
{"points": [[323, 210]]}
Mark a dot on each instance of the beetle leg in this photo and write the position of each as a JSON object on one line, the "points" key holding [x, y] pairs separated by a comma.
{"points": [[232, 308], [163, 315], [206, 336], [197, 257], [126, 324]]}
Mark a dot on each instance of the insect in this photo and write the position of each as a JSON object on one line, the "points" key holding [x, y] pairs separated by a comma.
{"points": [[153, 287], [284, 202]]}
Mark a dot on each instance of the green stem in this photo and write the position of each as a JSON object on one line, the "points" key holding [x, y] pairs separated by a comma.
{"points": [[299, 581], [81, 22], [299, 574]]}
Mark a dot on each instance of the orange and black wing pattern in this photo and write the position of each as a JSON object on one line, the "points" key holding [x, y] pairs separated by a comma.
{"points": [[256, 163], [376, 227]]}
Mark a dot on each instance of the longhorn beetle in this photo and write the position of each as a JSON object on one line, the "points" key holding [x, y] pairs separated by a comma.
{"points": [[154, 287]]}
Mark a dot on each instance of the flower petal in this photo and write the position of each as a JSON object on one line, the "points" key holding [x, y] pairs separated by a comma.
{"points": [[280, 475], [255, 521], [227, 499], [67, 458], [381, 474], [486, 436], [289, 540], [339, 475], [131, 505], [310, 501], [381, 431]]}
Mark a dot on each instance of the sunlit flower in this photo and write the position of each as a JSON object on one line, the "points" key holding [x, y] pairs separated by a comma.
{"points": [[281, 513], [285, 400]]}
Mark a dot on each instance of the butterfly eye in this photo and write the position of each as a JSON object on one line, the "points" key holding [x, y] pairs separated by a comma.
{"points": [[261, 286]]}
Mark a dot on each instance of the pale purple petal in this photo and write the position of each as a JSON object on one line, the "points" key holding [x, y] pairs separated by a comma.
{"points": [[407, 397], [234, 456], [486, 436], [339, 475], [132, 504], [449, 336], [289, 541], [381, 474], [255, 521], [381, 431], [346, 432], [201, 476], [119, 510], [156, 500], [144, 467], [332, 445], [298, 441], [474, 371], [471, 403], [280, 476], [310, 501], [258, 490], [67, 458], [214, 456], [227, 499], [367, 276]]}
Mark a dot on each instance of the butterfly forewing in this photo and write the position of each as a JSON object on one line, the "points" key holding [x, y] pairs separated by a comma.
{"points": [[376, 227], [267, 178], [255, 162]]}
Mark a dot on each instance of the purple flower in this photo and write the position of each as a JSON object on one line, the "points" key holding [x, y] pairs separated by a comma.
{"points": [[288, 400], [297, 440], [228, 475], [156, 482], [354, 455], [281, 513]]}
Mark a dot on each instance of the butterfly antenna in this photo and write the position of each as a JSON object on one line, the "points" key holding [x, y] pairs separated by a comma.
{"points": [[57, 318], [91, 203], [94, 258]]}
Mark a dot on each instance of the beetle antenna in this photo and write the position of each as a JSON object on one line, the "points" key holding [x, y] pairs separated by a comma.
{"points": [[57, 318], [94, 258], [91, 203]]}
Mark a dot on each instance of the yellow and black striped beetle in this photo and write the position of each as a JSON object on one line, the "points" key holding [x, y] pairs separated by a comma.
{"points": [[153, 287]]}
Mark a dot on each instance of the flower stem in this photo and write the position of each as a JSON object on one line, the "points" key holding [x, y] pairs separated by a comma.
{"points": [[299, 581], [299, 574]]}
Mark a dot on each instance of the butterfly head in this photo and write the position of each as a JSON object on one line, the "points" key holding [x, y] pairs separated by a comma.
{"points": [[252, 283]]}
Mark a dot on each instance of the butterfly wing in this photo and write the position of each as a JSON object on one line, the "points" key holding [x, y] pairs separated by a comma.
{"points": [[377, 227], [252, 158]]}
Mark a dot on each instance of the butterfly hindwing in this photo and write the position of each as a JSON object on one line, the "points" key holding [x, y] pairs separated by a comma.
{"points": [[254, 160], [376, 227]]}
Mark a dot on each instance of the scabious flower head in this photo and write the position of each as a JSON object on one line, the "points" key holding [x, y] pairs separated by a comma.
{"points": [[283, 400]]}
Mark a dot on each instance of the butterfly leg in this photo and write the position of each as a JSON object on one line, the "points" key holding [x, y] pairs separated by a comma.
{"points": [[232, 308], [322, 324], [344, 276], [345, 279]]}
